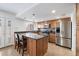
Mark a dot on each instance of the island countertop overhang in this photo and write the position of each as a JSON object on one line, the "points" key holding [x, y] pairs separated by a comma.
{"points": [[35, 36]]}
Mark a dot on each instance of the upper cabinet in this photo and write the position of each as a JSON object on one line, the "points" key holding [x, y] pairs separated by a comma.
{"points": [[48, 24], [53, 23], [77, 6]]}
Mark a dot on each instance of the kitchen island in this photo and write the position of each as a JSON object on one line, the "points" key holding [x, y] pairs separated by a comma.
{"points": [[37, 45]]}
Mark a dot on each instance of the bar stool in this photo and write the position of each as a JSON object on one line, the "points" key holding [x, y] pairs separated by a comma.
{"points": [[19, 41], [16, 41], [23, 45]]}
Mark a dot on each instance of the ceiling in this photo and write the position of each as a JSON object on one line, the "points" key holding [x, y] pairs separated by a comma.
{"points": [[16, 8], [42, 11]]}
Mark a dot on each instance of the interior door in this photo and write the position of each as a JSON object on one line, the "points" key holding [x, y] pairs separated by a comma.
{"points": [[8, 40]]}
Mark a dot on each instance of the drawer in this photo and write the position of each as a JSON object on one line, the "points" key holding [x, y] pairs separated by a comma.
{"points": [[77, 37], [77, 28]]}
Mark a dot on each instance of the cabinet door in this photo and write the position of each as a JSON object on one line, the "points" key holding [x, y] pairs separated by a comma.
{"points": [[8, 40], [77, 39], [2, 32], [77, 14], [52, 38]]}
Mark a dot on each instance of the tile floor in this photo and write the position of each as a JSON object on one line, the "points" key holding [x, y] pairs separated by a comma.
{"points": [[53, 50]]}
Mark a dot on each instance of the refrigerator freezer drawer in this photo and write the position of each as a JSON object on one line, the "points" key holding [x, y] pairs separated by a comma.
{"points": [[67, 43], [64, 42]]}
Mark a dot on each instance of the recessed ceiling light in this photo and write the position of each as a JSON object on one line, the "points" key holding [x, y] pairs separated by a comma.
{"points": [[53, 11]]}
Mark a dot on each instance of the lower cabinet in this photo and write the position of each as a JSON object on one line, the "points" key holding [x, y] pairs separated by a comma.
{"points": [[52, 38], [77, 40], [37, 47]]}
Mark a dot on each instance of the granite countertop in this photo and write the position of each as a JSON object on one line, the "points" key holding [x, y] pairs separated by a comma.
{"points": [[25, 31], [45, 34], [34, 36]]}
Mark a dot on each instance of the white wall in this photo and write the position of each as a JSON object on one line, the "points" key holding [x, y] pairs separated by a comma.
{"points": [[22, 25], [73, 19], [16, 22], [8, 16], [19, 25]]}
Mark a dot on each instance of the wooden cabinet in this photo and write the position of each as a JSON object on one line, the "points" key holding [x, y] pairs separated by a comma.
{"points": [[53, 23], [77, 14], [77, 33], [31, 47], [52, 38], [37, 47], [78, 40]]}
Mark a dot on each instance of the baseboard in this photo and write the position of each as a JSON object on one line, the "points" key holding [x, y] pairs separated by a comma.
{"points": [[6, 46]]}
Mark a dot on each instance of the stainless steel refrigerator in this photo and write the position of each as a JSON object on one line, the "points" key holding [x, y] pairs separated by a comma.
{"points": [[64, 34]]}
